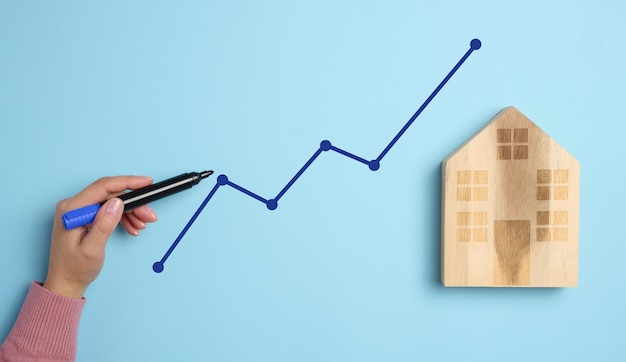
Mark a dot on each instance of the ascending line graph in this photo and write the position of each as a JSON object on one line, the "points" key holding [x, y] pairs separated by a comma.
{"points": [[272, 204]]}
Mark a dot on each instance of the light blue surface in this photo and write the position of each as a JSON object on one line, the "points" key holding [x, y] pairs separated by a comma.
{"points": [[347, 267]]}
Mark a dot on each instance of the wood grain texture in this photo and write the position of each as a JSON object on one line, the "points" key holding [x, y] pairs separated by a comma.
{"points": [[510, 208]]}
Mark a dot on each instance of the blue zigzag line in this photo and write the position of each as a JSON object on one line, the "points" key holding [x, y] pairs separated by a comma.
{"points": [[272, 204]]}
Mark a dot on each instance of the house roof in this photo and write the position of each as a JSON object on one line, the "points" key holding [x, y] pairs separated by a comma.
{"points": [[508, 117]]}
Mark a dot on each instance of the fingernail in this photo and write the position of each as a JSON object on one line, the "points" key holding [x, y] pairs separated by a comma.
{"points": [[152, 212], [113, 206]]}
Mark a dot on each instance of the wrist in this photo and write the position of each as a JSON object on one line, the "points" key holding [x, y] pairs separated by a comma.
{"points": [[64, 289]]}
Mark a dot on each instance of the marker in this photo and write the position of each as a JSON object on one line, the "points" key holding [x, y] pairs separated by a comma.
{"points": [[132, 199]]}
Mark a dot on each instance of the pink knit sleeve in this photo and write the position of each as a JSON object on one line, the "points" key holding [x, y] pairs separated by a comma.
{"points": [[45, 330]]}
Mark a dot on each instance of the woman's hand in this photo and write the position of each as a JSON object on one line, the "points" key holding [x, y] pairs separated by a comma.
{"points": [[77, 255]]}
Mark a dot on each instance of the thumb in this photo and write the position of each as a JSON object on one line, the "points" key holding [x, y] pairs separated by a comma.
{"points": [[105, 222]]}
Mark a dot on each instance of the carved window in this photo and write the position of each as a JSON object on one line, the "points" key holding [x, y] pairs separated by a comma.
{"points": [[512, 144], [552, 226], [552, 184], [471, 226], [472, 185]]}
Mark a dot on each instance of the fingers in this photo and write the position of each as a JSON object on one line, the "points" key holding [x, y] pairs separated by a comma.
{"points": [[106, 187], [103, 225], [136, 220], [132, 224], [129, 227], [145, 214]]}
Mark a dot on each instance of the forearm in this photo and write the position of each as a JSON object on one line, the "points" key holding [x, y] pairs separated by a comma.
{"points": [[46, 328]]}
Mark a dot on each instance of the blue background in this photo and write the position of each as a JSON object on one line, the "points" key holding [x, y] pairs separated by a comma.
{"points": [[347, 267]]}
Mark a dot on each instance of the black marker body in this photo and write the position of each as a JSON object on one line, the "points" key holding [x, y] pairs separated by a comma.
{"points": [[161, 189]]}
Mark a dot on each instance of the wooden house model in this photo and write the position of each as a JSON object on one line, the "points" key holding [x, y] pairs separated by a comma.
{"points": [[510, 208]]}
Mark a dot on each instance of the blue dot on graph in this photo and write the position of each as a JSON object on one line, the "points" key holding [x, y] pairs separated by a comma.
{"points": [[272, 204], [222, 180], [157, 267], [325, 145]]}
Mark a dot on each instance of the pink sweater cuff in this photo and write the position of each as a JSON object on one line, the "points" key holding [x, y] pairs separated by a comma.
{"points": [[48, 324]]}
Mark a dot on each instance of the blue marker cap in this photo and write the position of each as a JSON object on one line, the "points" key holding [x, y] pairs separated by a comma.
{"points": [[79, 217]]}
